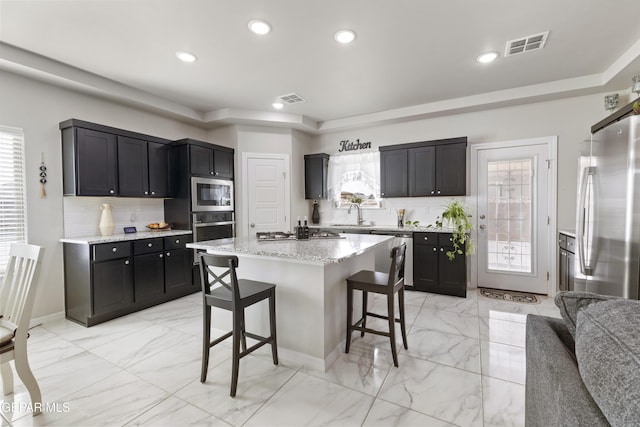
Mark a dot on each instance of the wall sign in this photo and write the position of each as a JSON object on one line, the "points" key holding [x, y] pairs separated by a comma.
{"points": [[346, 145]]}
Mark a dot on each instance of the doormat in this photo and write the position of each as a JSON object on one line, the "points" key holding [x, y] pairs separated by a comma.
{"points": [[510, 296]]}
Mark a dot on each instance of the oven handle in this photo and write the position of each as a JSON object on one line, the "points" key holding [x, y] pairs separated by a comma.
{"points": [[209, 224]]}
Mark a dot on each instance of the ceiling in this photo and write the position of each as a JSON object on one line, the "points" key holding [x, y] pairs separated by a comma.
{"points": [[411, 58]]}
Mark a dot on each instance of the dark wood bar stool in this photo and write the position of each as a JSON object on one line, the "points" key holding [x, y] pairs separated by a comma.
{"points": [[380, 283], [234, 295]]}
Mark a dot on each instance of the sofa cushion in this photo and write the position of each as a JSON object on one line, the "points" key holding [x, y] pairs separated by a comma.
{"points": [[571, 302], [608, 353]]}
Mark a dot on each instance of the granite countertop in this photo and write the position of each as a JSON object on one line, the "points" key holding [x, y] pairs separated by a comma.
{"points": [[90, 240], [313, 251], [390, 228]]}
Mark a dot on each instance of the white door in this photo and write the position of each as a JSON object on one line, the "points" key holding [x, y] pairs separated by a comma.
{"points": [[513, 218], [267, 202]]}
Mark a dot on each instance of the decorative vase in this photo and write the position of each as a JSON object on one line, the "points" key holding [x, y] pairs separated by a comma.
{"points": [[315, 215], [106, 220]]}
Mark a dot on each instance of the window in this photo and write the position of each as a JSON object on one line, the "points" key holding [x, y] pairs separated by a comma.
{"points": [[12, 191], [355, 177]]}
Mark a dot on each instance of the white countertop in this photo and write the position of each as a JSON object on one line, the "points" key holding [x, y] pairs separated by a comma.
{"points": [[317, 251], [90, 240], [390, 228]]}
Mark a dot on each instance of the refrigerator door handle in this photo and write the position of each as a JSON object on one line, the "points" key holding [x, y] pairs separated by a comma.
{"points": [[580, 232]]}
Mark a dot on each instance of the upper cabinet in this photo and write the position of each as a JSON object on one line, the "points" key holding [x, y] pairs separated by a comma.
{"points": [[315, 176], [424, 169], [210, 161], [103, 161]]}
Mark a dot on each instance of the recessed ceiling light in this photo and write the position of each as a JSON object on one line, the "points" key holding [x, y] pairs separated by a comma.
{"points": [[186, 56], [259, 27], [485, 58], [345, 36], [278, 105]]}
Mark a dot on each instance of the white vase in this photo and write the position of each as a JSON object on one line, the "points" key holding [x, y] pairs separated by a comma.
{"points": [[106, 220]]}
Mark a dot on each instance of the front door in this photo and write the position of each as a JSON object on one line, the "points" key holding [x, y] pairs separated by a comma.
{"points": [[513, 218], [267, 180]]}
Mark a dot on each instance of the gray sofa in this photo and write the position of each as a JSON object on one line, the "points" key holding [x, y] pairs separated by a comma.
{"points": [[584, 369]]}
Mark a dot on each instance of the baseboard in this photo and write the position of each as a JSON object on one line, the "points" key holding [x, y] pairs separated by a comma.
{"points": [[45, 319]]}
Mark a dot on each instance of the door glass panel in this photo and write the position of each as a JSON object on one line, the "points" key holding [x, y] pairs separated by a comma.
{"points": [[509, 215]]}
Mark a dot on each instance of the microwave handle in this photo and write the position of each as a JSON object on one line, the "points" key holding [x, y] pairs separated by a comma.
{"points": [[209, 224]]}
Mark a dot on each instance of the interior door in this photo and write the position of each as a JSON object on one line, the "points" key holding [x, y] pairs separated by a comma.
{"points": [[267, 180], [513, 217]]}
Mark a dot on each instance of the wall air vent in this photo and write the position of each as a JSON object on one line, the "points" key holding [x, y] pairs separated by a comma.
{"points": [[526, 44], [291, 98]]}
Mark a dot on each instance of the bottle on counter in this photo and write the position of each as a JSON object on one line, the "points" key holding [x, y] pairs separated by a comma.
{"points": [[306, 228], [299, 230]]}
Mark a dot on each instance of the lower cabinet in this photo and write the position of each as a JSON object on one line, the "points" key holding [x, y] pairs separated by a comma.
{"points": [[566, 263], [432, 269], [108, 280]]}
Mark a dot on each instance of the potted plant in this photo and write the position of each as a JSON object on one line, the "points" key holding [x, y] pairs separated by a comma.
{"points": [[456, 217]]}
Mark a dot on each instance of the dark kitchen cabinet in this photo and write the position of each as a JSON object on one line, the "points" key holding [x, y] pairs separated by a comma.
{"points": [[315, 176], [206, 161], [90, 163], [566, 262], [424, 169], [103, 161], [432, 269], [108, 280]]}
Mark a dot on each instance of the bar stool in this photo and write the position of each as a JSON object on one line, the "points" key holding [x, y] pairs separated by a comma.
{"points": [[234, 295], [379, 283]]}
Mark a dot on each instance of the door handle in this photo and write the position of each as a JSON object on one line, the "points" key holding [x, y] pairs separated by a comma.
{"points": [[482, 226], [482, 216], [252, 225]]}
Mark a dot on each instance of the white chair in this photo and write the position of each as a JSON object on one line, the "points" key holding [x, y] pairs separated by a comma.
{"points": [[16, 302]]}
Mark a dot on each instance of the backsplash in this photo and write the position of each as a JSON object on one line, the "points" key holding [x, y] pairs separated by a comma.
{"points": [[82, 214], [423, 209]]}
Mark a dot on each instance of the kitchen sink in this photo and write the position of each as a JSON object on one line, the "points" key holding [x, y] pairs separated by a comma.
{"points": [[351, 225]]}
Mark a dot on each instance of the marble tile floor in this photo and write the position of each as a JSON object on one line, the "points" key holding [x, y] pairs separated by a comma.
{"points": [[465, 366]]}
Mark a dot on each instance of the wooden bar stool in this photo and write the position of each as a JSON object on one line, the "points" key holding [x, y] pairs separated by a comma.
{"points": [[379, 283], [234, 295]]}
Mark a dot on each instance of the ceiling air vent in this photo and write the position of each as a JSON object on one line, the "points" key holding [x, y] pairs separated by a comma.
{"points": [[526, 44], [291, 98]]}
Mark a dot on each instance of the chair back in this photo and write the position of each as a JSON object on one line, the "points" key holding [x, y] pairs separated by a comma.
{"points": [[396, 272], [209, 277], [18, 291]]}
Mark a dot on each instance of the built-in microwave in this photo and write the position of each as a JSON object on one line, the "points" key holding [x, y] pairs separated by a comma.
{"points": [[209, 194]]}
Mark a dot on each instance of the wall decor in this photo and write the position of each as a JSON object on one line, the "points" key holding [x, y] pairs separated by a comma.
{"points": [[43, 177], [346, 145]]}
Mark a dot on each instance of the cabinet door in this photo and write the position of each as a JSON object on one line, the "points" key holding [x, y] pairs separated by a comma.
{"points": [[393, 173], [201, 160], [425, 268], [452, 274], [422, 171], [571, 274], [133, 167], [223, 164], [451, 170], [562, 271], [177, 270], [112, 285], [315, 177], [96, 163], [158, 169], [148, 276]]}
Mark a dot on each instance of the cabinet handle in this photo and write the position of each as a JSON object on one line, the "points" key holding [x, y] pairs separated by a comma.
{"points": [[112, 191], [426, 238], [433, 192], [160, 256], [451, 239], [115, 249], [216, 174], [382, 194], [126, 262], [178, 241], [153, 193], [146, 193], [168, 253], [211, 173], [149, 245], [319, 196], [441, 249], [438, 191], [435, 249]]}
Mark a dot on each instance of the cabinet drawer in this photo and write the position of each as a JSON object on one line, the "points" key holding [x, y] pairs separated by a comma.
{"points": [[109, 251], [445, 239], [147, 246], [571, 244], [562, 240], [176, 242], [425, 238]]}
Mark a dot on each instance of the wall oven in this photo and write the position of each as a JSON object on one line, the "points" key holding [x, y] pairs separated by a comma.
{"points": [[211, 226], [211, 195]]}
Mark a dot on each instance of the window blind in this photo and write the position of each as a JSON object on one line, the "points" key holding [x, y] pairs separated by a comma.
{"points": [[12, 191]]}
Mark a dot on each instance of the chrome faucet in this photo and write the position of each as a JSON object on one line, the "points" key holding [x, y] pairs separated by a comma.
{"points": [[360, 220]]}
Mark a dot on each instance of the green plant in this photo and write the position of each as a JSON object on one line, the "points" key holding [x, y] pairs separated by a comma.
{"points": [[456, 216], [357, 200], [412, 223]]}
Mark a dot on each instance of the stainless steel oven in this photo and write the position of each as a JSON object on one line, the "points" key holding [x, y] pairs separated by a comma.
{"points": [[212, 226], [211, 195]]}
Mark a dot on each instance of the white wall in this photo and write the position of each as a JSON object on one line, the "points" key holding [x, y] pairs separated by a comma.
{"points": [[570, 119], [37, 108]]}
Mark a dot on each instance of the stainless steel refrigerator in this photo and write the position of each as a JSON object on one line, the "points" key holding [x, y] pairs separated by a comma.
{"points": [[608, 217]]}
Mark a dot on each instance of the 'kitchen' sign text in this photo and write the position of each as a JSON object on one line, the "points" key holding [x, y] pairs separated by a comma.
{"points": [[346, 145]]}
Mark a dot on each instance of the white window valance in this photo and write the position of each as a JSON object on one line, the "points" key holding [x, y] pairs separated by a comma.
{"points": [[354, 173]]}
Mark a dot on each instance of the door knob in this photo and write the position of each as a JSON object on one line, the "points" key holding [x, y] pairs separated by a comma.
{"points": [[482, 227], [482, 216], [252, 225]]}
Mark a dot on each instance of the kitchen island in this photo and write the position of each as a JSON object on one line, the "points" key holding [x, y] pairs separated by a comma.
{"points": [[311, 297]]}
